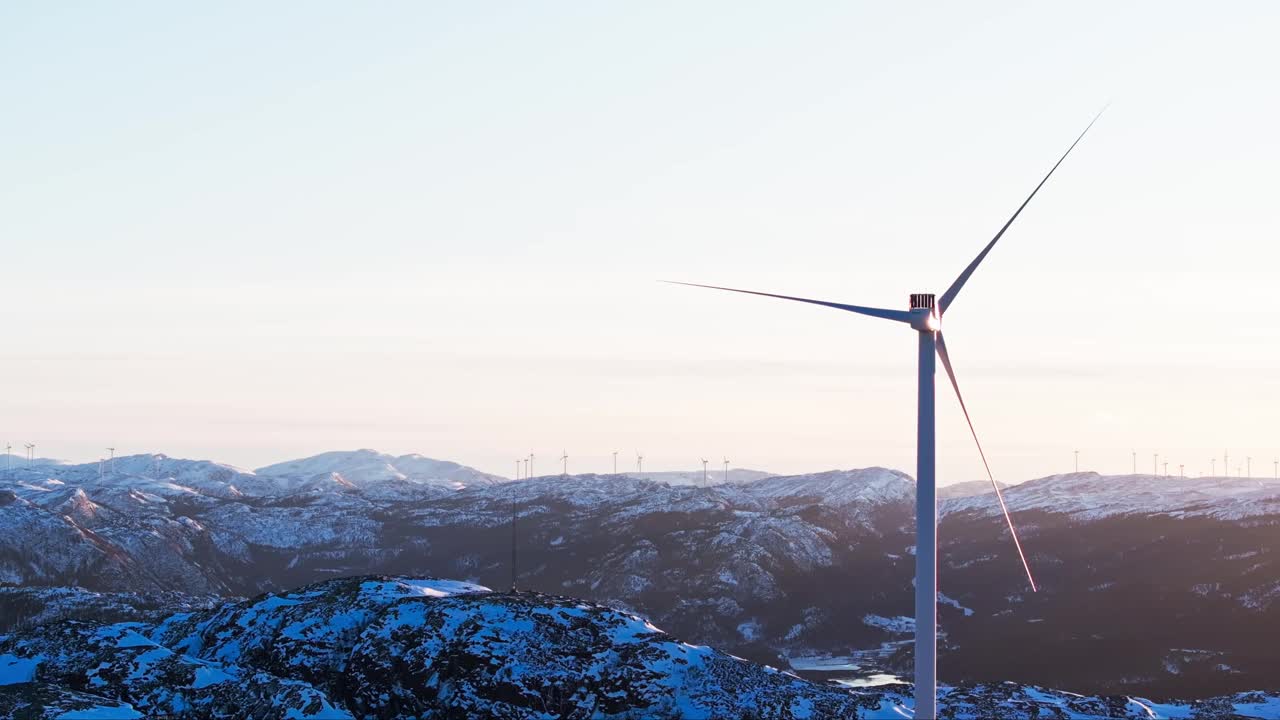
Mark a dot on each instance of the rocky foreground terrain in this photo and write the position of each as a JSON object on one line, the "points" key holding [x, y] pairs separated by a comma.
{"points": [[384, 647], [1152, 586]]}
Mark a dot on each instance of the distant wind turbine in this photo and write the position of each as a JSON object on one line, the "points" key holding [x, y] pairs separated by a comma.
{"points": [[615, 462], [726, 471], [1226, 463], [1248, 467], [924, 317], [112, 458], [1135, 462], [8, 456], [1213, 467], [704, 472], [639, 463], [1077, 460], [564, 458], [31, 453], [1155, 464]]}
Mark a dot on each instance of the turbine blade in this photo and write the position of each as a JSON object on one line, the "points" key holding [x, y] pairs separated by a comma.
{"points": [[950, 295], [946, 363], [899, 315]]}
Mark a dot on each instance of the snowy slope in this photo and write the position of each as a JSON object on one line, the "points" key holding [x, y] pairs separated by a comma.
{"points": [[1090, 496], [781, 566], [387, 647], [370, 469]]}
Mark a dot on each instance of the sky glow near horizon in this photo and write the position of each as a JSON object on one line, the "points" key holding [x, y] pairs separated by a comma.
{"points": [[251, 233]]}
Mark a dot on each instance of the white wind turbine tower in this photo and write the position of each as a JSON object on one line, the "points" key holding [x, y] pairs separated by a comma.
{"points": [[639, 463], [726, 471], [564, 458], [925, 318], [111, 459], [1213, 466], [615, 462], [8, 456], [704, 472], [31, 453]]}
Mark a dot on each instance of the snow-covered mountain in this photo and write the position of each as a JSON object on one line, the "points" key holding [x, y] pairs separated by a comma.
{"points": [[715, 476], [378, 646], [394, 647], [1161, 592], [1089, 496], [369, 470]]}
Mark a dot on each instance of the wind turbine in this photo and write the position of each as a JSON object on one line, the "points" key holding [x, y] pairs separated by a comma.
{"points": [[1226, 465], [704, 472], [31, 453], [924, 317], [615, 462], [1277, 467], [1135, 462], [1155, 464], [564, 458], [1248, 467], [112, 458], [1077, 460], [8, 455], [639, 463], [726, 471], [1213, 466]]}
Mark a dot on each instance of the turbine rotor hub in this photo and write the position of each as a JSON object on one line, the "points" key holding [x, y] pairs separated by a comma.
{"points": [[924, 314]]}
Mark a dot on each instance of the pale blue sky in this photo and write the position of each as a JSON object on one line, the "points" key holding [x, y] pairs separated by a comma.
{"points": [[253, 231]]}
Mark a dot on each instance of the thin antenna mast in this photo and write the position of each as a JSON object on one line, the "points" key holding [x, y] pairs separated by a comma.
{"points": [[514, 570]]}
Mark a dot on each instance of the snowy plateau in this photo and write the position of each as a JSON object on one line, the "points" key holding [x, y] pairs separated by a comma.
{"points": [[121, 593]]}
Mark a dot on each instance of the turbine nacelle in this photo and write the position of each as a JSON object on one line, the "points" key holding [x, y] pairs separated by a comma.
{"points": [[924, 314]]}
